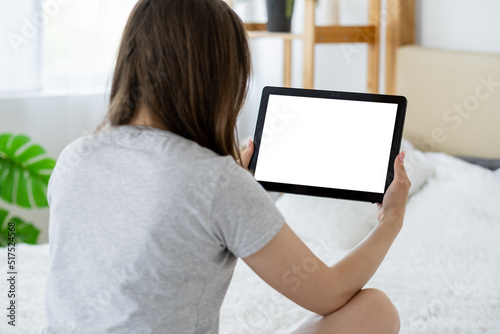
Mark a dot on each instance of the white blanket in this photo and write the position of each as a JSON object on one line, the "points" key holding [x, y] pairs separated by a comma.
{"points": [[443, 272]]}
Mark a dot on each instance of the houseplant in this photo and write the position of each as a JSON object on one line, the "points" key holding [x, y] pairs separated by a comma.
{"points": [[279, 14], [25, 170]]}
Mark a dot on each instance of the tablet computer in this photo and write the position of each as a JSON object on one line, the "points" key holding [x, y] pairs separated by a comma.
{"points": [[327, 143]]}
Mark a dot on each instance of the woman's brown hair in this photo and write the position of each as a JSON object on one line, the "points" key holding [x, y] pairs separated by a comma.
{"points": [[188, 63]]}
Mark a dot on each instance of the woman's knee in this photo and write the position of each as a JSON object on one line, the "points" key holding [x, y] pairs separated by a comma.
{"points": [[383, 313], [370, 311]]}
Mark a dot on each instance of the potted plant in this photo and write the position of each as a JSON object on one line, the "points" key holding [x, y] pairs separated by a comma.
{"points": [[279, 14], [24, 175]]}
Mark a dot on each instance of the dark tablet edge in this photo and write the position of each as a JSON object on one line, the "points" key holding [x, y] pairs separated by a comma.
{"points": [[397, 137], [323, 192]]}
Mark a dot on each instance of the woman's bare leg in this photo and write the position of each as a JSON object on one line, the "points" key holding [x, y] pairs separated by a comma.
{"points": [[370, 311]]}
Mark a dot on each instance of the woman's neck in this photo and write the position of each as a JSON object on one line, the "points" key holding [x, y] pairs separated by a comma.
{"points": [[143, 117]]}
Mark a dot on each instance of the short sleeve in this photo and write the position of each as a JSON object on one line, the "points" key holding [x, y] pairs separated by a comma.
{"points": [[244, 214]]}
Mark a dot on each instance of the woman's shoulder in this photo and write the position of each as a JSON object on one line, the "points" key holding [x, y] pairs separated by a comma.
{"points": [[161, 150]]}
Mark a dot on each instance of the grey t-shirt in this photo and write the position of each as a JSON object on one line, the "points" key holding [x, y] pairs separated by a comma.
{"points": [[145, 230]]}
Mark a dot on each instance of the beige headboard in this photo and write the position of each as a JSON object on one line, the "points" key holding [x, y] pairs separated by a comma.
{"points": [[453, 97], [453, 100]]}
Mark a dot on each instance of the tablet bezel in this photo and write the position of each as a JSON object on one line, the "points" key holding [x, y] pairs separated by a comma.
{"points": [[336, 95]]}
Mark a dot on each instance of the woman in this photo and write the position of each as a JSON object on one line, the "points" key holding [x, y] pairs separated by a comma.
{"points": [[149, 214]]}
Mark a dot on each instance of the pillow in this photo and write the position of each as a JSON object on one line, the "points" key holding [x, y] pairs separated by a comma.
{"points": [[344, 223], [418, 168]]}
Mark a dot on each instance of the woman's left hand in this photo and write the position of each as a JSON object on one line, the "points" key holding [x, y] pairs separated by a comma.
{"points": [[247, 154]]}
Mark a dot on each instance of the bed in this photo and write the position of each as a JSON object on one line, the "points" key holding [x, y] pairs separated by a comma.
{"points": [[443, 271]]}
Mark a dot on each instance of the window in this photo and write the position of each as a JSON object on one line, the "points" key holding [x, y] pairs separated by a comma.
{"points": [[60, 44]]}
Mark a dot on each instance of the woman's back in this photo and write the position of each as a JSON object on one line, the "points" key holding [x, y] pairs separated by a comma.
{"points": [[161, 218]]}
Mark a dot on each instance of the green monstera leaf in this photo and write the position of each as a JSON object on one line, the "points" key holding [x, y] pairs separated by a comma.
{"points": [[25, 232], [24, 171]]}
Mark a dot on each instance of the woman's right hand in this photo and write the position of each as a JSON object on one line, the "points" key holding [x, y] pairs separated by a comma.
{"points": [[393, 207]]}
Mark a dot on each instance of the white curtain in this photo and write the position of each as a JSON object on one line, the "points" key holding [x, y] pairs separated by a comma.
{"points": [[19, 46], [60, 44]]}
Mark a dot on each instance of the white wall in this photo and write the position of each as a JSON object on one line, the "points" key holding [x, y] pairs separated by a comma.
{"points": [[52, 121], [55, 120], [460, 25]]}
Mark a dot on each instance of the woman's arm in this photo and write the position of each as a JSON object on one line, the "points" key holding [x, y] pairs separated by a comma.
{"points": [[288, 265]]}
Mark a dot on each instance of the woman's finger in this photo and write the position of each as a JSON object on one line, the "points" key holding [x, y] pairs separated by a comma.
{"points": [[399, 167], [247, 154]]}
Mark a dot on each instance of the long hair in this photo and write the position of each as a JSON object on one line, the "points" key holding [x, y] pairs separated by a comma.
{"points": [[188, 62]]}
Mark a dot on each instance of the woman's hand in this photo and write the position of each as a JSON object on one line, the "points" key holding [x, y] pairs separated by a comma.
{"points": [[247, 154], [393, 207]]}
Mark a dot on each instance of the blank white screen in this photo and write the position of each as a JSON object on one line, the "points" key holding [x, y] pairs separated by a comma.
{"points": [[326, 143]]}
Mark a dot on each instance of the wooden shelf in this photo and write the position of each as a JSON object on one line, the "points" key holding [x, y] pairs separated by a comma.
{"points": [[259, 30], [345, 34], [314, 34], [400, 31], [369, 34]]}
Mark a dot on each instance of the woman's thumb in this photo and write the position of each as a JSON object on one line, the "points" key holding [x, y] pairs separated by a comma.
{"points": [[399, 168], [247, 154]]}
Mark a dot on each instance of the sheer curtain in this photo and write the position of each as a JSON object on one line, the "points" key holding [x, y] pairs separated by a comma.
{"points": [[19, 47], [60, 44]]}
